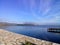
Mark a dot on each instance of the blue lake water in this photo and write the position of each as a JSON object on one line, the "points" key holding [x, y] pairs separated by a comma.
{"points": [[39, 32]]}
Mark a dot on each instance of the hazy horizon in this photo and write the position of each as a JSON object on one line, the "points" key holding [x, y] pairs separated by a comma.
{"points": [[33, 11]]}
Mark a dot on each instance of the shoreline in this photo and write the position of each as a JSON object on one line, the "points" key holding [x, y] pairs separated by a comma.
{"points": [[10, 38]]}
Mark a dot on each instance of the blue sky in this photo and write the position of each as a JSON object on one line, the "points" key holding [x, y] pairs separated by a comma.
{"points": [[39, 11]]}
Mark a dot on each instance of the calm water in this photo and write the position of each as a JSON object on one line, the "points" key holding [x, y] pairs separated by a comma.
{"points": [[39, 32]]}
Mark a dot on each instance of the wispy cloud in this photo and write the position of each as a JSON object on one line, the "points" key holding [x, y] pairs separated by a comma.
{"points": [[45, 7], [43, 11]]}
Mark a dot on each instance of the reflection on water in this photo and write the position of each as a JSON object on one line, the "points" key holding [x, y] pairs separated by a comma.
{"points": [[39, 32]]}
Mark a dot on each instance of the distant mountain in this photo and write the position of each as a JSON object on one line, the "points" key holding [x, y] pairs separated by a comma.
{"points": [[6, 24], [24, 24], [15, 24]]}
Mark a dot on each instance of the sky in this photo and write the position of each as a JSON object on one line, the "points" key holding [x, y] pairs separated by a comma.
{"points": [[38, 11]]}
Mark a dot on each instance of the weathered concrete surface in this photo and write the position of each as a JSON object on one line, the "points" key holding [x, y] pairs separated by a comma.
{"points": [[9, 38]]}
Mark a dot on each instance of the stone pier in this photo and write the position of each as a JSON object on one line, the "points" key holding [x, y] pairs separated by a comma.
{"points": [[10, 38]]}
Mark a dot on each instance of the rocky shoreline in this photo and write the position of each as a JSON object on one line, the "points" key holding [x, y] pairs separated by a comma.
{"points": [[10, 38]]}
